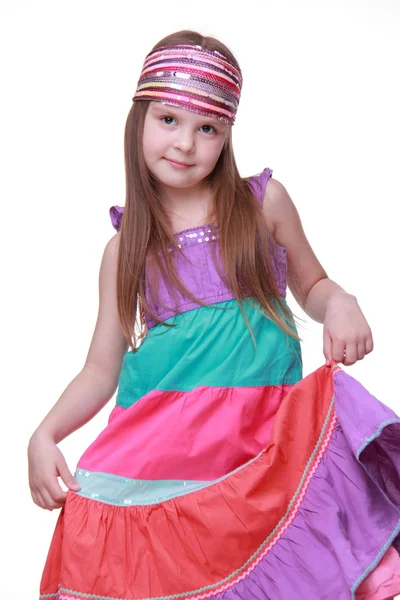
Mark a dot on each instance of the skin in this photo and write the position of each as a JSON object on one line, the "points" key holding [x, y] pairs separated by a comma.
{"points": [[184, 136], [347, 336], [180, 135]]}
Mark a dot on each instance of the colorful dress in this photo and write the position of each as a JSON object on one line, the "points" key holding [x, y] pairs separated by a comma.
{"points": [[223, 473]]}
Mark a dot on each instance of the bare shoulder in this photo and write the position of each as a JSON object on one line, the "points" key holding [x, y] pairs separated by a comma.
{"points": [[108, 343], [111, 248], [283, 220], [109, 263], [277, 205]]}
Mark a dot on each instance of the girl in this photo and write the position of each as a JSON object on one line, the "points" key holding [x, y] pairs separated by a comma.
{"points": [[222, 472]]}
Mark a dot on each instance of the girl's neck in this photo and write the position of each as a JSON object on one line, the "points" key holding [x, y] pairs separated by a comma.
{"points": [[187, 208]]}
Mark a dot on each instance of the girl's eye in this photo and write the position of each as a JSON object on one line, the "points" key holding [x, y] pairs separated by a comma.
{"points": [[209, 127], [163, 119], [206, 128]]}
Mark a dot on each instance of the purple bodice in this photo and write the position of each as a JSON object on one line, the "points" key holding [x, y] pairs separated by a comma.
{"points": [[199, 274]]}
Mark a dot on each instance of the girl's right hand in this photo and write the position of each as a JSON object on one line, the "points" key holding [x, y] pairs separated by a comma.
{"points": [[46, 463]]}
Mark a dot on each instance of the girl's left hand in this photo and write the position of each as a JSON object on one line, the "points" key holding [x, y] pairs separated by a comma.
{"points": [[347, 335]]}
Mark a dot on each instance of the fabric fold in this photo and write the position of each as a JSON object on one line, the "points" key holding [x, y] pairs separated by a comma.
{"points": [[312, 516]]}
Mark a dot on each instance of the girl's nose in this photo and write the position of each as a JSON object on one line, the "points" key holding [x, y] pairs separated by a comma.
{"points": [[184, 141]]}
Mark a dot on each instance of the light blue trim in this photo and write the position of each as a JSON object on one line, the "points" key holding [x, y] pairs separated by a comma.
{"points": [[376, 434], [375, 562], [397, 529], [261, 547], [140, 492], [371, 439], [121, 491]]}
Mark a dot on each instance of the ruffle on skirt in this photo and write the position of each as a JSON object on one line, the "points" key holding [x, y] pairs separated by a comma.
{"points": [[315, 515]]}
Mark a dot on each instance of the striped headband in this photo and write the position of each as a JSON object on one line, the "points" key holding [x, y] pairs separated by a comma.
{"points": [[187, 76]]}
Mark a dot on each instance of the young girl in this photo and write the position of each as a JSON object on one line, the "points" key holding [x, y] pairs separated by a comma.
{"points": [[222, 472]]}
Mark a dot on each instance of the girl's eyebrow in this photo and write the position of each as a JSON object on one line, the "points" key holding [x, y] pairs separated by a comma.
{"points": [[158, 107]]}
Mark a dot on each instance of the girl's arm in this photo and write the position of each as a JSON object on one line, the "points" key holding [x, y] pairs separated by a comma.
{"points": [[83, 398], [346, 331], [96, 383]]}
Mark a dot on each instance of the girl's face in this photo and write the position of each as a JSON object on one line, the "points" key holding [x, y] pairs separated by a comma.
{"points": [[175, 134]]}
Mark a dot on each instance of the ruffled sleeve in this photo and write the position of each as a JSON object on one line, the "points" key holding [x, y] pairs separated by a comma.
{"points": [[116, 213], [259, 183]]}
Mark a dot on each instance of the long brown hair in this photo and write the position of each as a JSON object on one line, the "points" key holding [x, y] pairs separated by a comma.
{"points": [[146, 235]]}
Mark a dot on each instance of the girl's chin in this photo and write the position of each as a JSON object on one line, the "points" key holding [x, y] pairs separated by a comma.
{"points": [[177, 178]]}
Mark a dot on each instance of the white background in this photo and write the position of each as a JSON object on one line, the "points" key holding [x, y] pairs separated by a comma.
{"points": [[320, 105]]}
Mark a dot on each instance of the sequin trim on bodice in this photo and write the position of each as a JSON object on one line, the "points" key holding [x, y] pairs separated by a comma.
{"points": [[196, 267]]}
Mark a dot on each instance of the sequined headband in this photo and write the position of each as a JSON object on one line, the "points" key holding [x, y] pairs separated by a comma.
{"points": [[188, 76]]}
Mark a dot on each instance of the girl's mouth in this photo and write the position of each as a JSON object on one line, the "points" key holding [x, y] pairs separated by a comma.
{"points": [[178, 165]]}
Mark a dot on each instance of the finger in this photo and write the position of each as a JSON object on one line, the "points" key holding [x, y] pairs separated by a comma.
{"points": [[50, 502], [37, 498], [327, 346], [42, 502], [338, 349], [42, 499], [361, 352], [369, 344], [56, 492], [351, 355], [67, 476]]}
